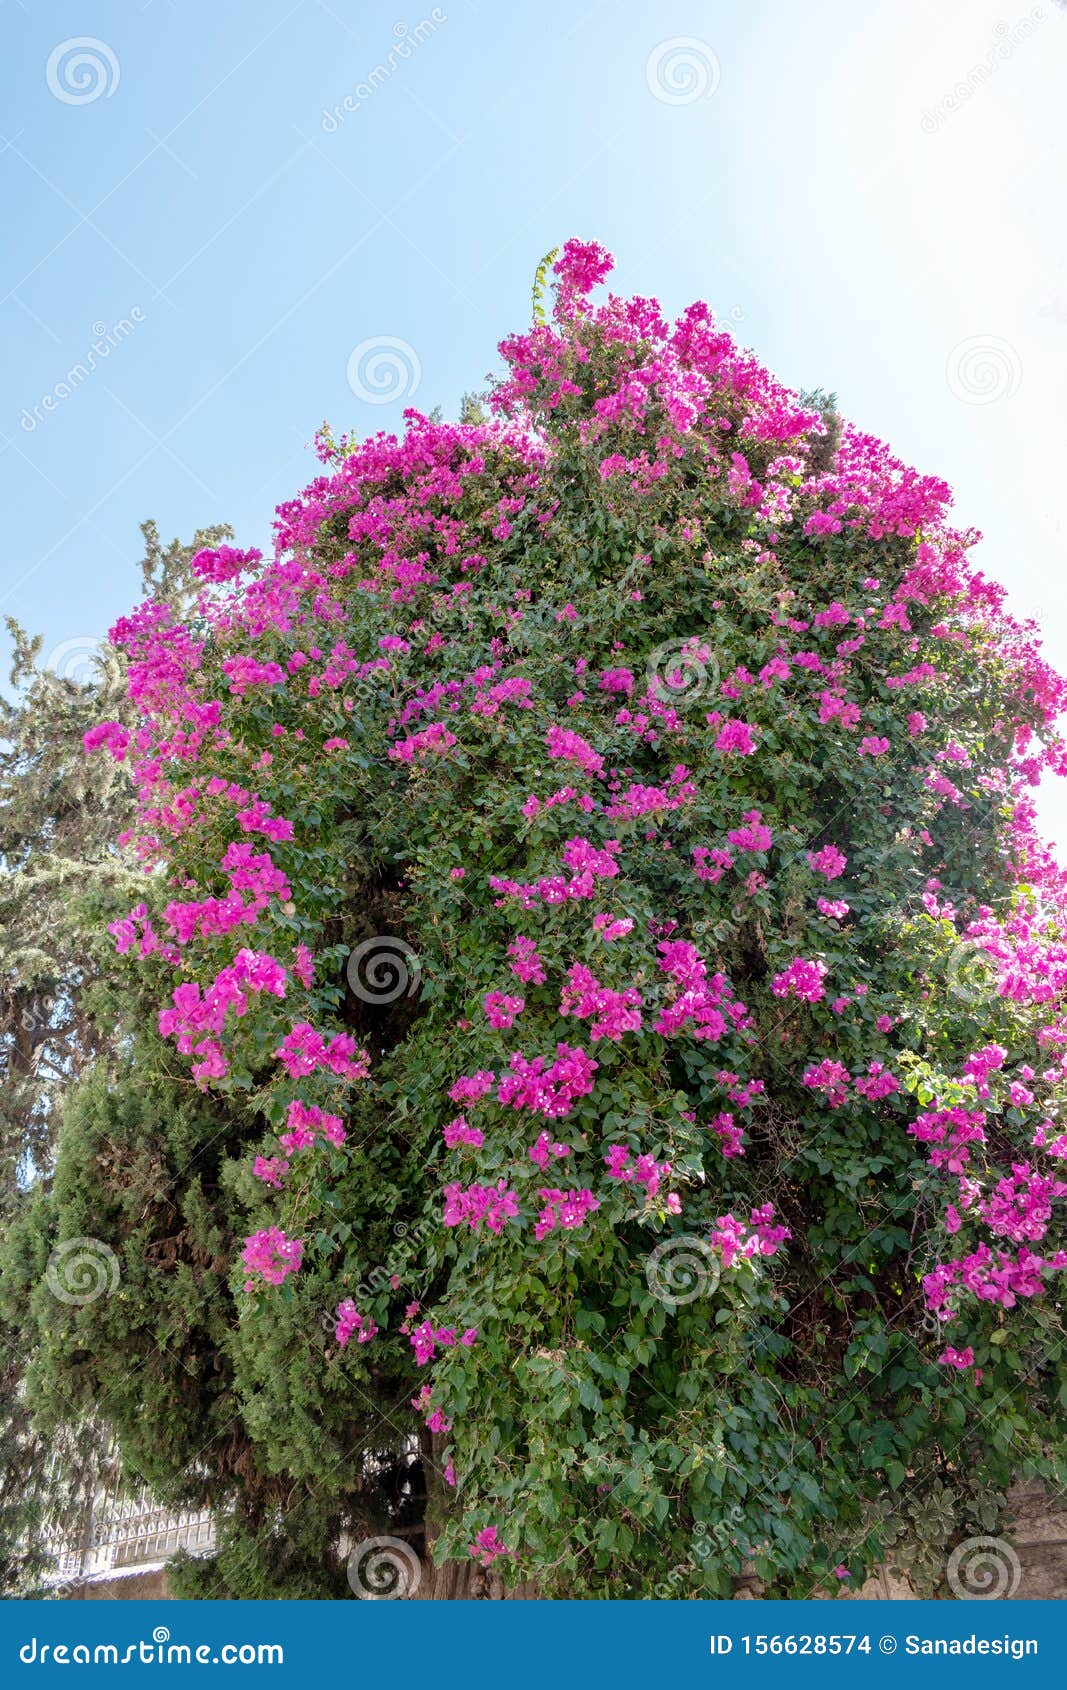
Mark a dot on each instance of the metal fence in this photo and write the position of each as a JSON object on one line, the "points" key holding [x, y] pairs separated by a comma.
{"points": [[122, 1532]]}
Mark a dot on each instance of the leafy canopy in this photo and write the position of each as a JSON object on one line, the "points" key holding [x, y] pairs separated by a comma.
{"points": [[591, 873]]}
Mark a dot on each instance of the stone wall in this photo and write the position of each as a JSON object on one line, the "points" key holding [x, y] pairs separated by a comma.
{"points": [[142, 1587], [1038, 1544]]}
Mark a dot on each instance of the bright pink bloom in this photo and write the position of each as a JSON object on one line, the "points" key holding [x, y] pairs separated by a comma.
{"points": [[802, 979], [736, 737], [272, 1255], [349, 1320], [829, 861], [488, 1546]]}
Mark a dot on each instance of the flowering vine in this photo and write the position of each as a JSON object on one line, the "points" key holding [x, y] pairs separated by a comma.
{"points": [[665, 716]]}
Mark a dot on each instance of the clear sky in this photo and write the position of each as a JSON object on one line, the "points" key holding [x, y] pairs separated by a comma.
{"points": [[871, 194]]}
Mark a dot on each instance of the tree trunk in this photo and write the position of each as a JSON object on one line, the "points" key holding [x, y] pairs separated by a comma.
{"points": [[454, 1581], [465, 1581]]}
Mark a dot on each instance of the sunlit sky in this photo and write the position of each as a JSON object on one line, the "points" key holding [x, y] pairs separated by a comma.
{"points": [[872, 195]]}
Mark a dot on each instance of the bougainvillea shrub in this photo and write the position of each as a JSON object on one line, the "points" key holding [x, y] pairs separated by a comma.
{"points": [[598, 848]]}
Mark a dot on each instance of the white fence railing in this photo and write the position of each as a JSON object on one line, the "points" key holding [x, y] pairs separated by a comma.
{"points": [[122, 1533]]}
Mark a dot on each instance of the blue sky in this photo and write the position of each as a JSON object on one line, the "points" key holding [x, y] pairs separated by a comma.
{"points": [[871, 195]]}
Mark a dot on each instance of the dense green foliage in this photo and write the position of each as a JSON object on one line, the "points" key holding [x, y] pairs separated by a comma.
{"points": [[633, 677], [61, 880]]}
